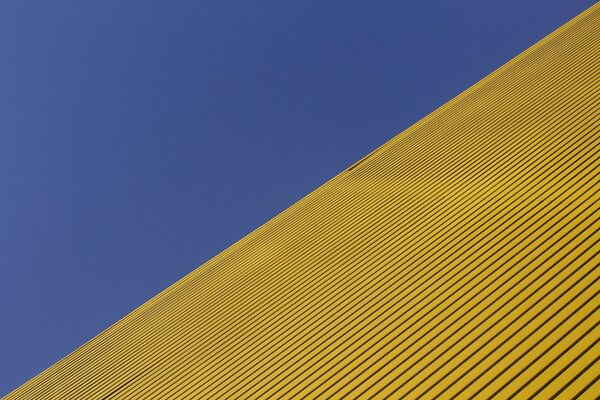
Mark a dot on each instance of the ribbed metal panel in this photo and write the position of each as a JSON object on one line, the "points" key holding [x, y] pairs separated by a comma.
{"points": [[459, 260]]}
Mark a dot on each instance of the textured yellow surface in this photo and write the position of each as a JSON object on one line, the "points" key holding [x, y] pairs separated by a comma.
{"points": [[459, 260]]}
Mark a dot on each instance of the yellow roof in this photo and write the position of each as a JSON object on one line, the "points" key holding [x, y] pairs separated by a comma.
{"points": [[459, 260]]}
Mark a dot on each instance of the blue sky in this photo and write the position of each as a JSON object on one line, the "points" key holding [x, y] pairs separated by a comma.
{"points": [[140, 138]]}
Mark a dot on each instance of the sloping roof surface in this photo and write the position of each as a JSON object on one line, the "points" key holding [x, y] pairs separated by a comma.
{"points": [[459, 260]]}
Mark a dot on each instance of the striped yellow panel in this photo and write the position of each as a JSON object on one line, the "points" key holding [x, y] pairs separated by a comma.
{"points": [[459, 260]]}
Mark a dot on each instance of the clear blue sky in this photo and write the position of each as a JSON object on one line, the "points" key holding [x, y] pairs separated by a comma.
{"points": [[140, 138]]}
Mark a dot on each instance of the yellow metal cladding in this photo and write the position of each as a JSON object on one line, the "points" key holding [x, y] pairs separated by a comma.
{"points": [[459, 260]]}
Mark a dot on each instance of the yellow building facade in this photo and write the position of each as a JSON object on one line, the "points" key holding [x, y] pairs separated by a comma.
{"points": [[459, 260]]}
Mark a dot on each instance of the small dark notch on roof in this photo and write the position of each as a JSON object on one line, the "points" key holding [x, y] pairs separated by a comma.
{"points": [[356, 164]]}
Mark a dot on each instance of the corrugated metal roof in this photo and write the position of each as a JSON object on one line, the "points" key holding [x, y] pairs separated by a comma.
{"points": [[459, 260]]}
